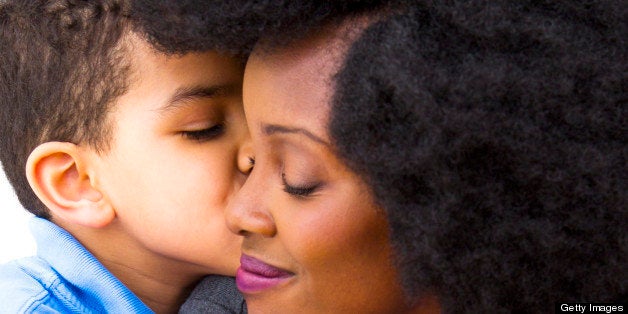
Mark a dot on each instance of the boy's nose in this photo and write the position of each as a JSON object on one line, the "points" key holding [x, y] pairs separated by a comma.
{"points": [[246, 158]]}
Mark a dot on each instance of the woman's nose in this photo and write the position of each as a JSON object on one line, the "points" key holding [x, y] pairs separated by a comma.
{"points": [[247, 213]]}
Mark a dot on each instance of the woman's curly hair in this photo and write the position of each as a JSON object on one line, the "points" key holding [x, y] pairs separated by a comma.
{"points": [[493, 133]]}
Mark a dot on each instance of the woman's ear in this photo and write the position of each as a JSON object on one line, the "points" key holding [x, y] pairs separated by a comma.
{"points": [[59, 175]]}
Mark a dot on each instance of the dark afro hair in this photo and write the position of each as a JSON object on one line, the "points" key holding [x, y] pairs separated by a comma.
{"points": [[494, 135], [235, 26]]}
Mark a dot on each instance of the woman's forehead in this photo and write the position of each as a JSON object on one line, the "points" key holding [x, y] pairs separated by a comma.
{"points": [[287, 94], [323, 46]]}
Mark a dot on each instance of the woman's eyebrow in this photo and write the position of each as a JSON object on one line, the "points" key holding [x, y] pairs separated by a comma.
{"points": [[183, 94], [270, 129]]}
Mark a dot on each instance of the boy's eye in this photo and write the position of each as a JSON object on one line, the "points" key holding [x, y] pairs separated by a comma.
{"points": [[299, 190], [204, 134]]}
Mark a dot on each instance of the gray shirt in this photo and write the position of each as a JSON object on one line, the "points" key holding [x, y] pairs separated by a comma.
{"points": [[215, 294]]}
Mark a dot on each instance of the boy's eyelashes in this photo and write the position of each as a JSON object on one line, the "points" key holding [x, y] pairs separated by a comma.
{"points": [[205, 134]]}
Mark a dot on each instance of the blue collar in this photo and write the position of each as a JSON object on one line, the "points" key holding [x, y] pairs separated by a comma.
{"points": [[80, 268]]}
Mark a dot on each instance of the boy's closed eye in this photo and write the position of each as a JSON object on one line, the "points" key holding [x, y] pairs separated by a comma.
{"points": [[200, 113], [205, 134], [199, 120]]}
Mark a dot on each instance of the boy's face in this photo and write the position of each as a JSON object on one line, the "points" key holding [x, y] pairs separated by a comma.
{"points": [[172, 165]]}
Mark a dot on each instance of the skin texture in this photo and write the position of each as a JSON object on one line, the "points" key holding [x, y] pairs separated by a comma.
{"points": [[159, 190], [333, 239]]}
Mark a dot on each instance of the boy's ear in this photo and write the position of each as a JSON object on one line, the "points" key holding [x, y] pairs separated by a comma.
{"points": [[58, 174]]}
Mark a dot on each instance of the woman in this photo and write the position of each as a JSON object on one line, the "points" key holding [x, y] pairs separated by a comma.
{"points": [[314, 238]]}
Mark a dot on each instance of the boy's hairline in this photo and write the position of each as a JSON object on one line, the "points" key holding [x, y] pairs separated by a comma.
{"points": [[127, 47]]}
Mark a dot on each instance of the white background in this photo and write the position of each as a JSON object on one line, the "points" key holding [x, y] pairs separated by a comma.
{"points": [[15, 238]]}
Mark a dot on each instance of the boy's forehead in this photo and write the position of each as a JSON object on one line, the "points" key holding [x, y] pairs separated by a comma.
{"points": [[157, 78], [145, 62], [139, 51]]}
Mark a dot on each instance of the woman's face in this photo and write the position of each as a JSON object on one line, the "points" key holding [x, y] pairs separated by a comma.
{"points": [[314, 240]]}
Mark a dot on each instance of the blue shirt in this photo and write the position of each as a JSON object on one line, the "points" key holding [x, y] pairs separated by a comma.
{"points": [[64, 277]]}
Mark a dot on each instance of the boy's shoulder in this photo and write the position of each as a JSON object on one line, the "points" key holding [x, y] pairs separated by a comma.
{"points": [[64, 277], [26, 285]]}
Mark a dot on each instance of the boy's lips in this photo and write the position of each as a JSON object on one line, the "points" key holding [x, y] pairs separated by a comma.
{"points": [[254, 275]]}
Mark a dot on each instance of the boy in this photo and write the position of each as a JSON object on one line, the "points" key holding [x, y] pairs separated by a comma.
{"points": [[131, 155]]}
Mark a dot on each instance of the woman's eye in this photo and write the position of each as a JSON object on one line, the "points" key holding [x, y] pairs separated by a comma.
{"points": [[204, 134], [299, 190]]}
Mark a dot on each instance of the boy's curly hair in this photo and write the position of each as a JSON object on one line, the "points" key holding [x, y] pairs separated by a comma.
{"points": [[493, 133], [62, 63]]}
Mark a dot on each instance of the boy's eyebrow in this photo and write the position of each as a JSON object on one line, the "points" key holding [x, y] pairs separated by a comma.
{"points": [[270, 129], [183, 94]]}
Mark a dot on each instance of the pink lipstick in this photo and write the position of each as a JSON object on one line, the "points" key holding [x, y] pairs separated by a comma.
{"points": [[255, 275]]}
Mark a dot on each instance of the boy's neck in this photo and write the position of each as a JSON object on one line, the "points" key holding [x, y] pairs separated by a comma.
{"points": [[156, 291], [162, 284]]}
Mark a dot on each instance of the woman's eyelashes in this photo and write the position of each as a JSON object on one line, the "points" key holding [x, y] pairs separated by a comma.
{"points": [[205, 134], [303, 190]]}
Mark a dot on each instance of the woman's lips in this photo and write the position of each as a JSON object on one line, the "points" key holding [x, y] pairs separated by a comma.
{"points": [[255, 275]]}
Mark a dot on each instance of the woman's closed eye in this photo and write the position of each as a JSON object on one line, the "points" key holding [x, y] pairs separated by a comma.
{"points": [[299, 190], [206, 134]]}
